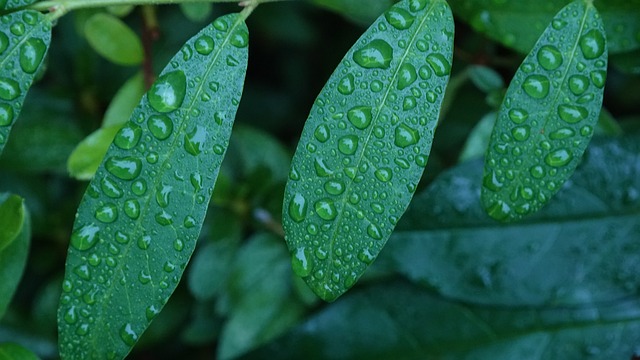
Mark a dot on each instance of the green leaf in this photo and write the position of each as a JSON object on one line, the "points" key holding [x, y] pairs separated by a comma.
{"points": [[11, 218], [582, 247], [14, 4], [398, 321], [210, 267], [256, 149], [478, 139], [13, 258], [628, 62], [361, 11], [124, 101], [24, 41], [113, 39], [485, 78], [548, 115], [365, 144], [518, 24], [196, 12], [139, 220], [12, 351]]}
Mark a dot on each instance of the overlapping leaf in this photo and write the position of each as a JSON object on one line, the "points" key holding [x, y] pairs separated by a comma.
{"points": [[548, 115], [13, 256], [365, 145], [24, 41], [139, 220]]}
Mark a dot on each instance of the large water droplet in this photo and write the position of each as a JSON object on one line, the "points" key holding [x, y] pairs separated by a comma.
{"points": [[334, 187], [598, 77], [164, 218], [301, 262], [558, 158], [31, 54], [6, 114], [132, 208], [592, 44], [204, 45], [439, 64], [518, 116], [572, 113], [417, 5], [128, 335], [406, 136], [70, 316], [407, 75], [399, 18], [348, 144], [162, 195], [346, 86], [549, 57], [360, 116], [499, 210], [321, 168], [578, 84], [85, 237], [376, 54], [298, 208], [374, 232], [160, 126], [536, 86], [4, 42], [383, 174], [194, 141], [139, 187], [144, 242], [125, 168], [562, 133], [239, 38], [521, 133], [82, 271], [326, 209], [128, 136], [9, 89], [167, 93], [107, 213], [491, 182], [322, 133]]}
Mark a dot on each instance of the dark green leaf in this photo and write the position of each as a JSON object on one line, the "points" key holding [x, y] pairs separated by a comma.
{"points": [[361, 11], [124, 101], [398, 321], [12, 262], [548, 115], [485, 78], [24, 41], [113, 39], [139, 220], [210, 268], [582, 247], [14, 4], [478, 139], [12, 351], [11, 218], [87, 156], [365, 145], [628, 62], [197, 12]]}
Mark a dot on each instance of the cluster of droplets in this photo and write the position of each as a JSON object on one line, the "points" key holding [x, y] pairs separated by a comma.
{"points": [[366, 144], [19, 65], [145, 203], [547, 117]]}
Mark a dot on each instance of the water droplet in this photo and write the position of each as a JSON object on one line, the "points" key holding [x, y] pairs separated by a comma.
{"points": [[537, 172], [322, 133], [178, 245], [439, 64], [220, 24], [110, 188], [421, 160], [164, 218], [399, 18], [406, 136], [121, 237], [132, 208], [301, 262], [536, 86], [366, 256], [499, 210], [189, 222], [128, 136], [107, 213], [377, 54], [549, 57], [374, 232], [128, 335], [518, 116], [562, 133], [17, 28], [144, 242], [31, 53], [125, 168], [139, 187], [6, 114], [558, 24], [572, 113], [407, 75], [240, 38], [409, 103], [204, 45], [162, 195], [491, 182], [82, 271], [70, 316], [383, 174], [592, 44], [9, 89], [298, 208], [346, 86], [558, 158], [85, 237], [598, 78], [167, 93], [4, 42], [578, 84], [326, 209], [334, 187], [194, 141], [196, 181], [321, 168], [360, 116], [521, 133], [160, 126], [348, 144]]}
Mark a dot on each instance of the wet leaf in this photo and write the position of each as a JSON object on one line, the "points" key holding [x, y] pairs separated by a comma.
{"points": [[548, 115], [139, 220], [365, 144]]}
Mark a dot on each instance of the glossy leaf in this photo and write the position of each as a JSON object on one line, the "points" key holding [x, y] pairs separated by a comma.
{"points": [[13, 351], [139, 220], [24, 41], [196, 12], [518, 24], [11, 219], [399, 321], [548, 115], [124, 101], [14, 4], [113, 39], [582, 247], [365, 144], [13, 258]]}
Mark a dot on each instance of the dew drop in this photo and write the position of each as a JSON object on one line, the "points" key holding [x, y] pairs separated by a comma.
{"points": [[121, 237], [167, 93], [562, 133], [549, 57], [334, 187], [578, 84], [110, 188], [85, 237], [399, 18], [598, 78], [572, 113], [421, 160], [31, 53], [128, 136], [240, 38], [9, 89], [409, 103], [518, 116], [348, 144], [160, 126], [537, 172], [132, 208], [125, 168], [366, 256], [406, 136], [536, 86], [439, 64], [17, 28], [592, 44], [383, 174], [139, 187], [107, 213], [82, 271], [521, 133], [500, 210], [4, 42], [377, 54], [194, 141], [144, 242], [70, 316], [128, 335], [162, 195], [346, 86], [374, 232], [164, 218], [298, 208], [204, 45], [321, 168], [326, 209], [407, 75], [491, 182], [301, 262], [322, 133], [558, 24], [6, 114], [558, 158], [360, 116], [151, 312]]}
